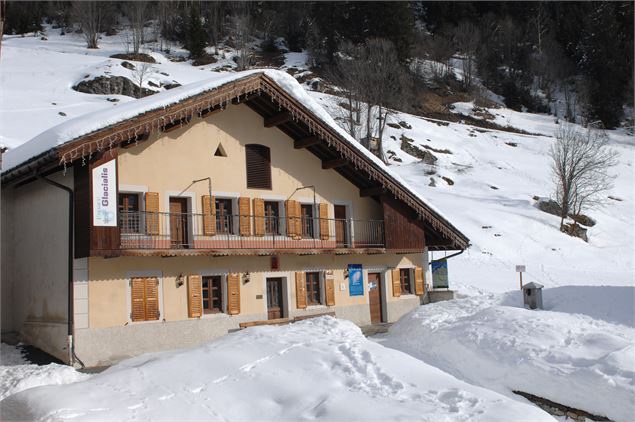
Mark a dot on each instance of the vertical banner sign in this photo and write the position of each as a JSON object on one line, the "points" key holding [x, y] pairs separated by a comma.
{"points": [[440, 274], [105, 195], [355, 280]]}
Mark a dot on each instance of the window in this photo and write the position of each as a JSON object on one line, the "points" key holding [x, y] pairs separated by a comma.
{"points": [[404, 280], [129, 212], [272, 217], [223, 215], [307, 220], [313, 291], [258, 159], [212, 291]]}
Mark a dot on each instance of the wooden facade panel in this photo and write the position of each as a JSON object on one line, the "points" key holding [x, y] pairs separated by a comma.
{"points": [[233, 294], [300, 290], [81, 185], [401, 227], [194, 296], [209, 215]]}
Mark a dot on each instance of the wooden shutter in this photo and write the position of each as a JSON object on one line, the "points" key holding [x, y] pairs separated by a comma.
{"points": [[259, 217], [324, 222], [419, 285], [297, 218], [152, 298], [152, 213], [244, 210], [137, 294], [209, 215], [396, 283], [258, 158], [329, 285], [300, 290], [194, 296], [290, 210], [233, 293]]}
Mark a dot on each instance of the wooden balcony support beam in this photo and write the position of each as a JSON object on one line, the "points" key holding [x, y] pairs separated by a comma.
{"points": [[306, 142], [372, 191], [277, 119], [331, 164]]}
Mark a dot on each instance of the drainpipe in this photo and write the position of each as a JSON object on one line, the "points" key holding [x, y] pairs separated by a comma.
{"points": [[71, 217]]}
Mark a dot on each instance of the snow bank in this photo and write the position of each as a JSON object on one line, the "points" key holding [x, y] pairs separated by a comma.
{"points": [[17, 374], [316, 369], [564, 355]]}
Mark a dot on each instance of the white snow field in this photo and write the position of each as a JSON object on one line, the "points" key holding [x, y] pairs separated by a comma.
{"points": [[579, 351], [17, 374], [321, 368]]}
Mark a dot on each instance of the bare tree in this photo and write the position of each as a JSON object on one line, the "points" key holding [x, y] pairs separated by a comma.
{"points": [[467, 38], [580, 162], [90, 15], [242, 31], [137, 13], [141, 73]]}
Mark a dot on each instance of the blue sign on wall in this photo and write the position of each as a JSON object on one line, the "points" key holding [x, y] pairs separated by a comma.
{"points": [[355, 280], [440, 274]]}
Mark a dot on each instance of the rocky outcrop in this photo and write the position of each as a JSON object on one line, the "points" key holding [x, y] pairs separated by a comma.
{"points": [[111, 85], [138, 57]]}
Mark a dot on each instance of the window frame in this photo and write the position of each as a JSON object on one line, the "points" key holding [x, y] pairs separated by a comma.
{"points": [[258, 184], [134, 274], [133, 227], [230, 216], [409, 272], [276, 220], [320, 288], [311, 226], [222, 290]]}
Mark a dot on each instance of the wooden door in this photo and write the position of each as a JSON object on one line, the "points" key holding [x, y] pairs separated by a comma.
{"points": [[340, 225], [178, 222], [274, 298], [374, 297]]}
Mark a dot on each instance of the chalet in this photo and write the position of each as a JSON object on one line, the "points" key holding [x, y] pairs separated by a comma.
{"points": [[173, 219]]}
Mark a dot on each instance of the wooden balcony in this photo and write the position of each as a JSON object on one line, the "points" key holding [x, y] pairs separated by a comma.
{"points": [[166, 234]]}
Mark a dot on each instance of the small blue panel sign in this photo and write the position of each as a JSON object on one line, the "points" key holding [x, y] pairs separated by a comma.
{"points": [[355, 280], [440, 274]]}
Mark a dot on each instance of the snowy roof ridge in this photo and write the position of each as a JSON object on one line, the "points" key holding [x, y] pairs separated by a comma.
{"points": [[90, 123]]}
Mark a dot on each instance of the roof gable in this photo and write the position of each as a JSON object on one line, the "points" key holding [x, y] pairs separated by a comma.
{"points": [[275, 95]]}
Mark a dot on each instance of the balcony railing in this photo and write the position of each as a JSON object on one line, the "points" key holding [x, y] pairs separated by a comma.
{"points": [[150, 230]]}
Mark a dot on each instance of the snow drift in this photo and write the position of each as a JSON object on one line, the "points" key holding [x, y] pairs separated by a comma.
{"points": [[316, 369], [563, 355]]}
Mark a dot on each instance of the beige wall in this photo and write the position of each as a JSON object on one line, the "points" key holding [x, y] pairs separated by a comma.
{"points": [[169, 162], [109, 300], [34, 263]]}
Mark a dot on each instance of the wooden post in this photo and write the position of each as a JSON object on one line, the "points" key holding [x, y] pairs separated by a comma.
{"points": [[521, 280]]}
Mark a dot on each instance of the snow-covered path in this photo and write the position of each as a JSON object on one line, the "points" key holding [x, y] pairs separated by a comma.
{"points": [[316, 369]]}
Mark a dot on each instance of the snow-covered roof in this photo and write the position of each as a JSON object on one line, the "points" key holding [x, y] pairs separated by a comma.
{"points": [[90, 123]]}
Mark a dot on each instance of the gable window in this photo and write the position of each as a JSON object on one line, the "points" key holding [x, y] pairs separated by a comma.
{"points": [[307, 220], [405, 281], [313, 288], [129, 212], [223, 216], [212, 291], [272, 217], [258, 158]]}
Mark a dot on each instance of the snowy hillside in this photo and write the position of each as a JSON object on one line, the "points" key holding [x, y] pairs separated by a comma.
{"points": [[484, 179]]}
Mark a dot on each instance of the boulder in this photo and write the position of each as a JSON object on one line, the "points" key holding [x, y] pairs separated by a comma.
{"points": [[549, 206], [111, 85], [576, 231], [138, 57], [127, 65], [585, 220]]}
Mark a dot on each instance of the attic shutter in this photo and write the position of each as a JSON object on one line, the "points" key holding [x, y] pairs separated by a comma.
{"points": [[152, 213], [194, 296], [258, 159], [259, 217], [396, 283], [329, 285], [290, 210], [233, 293], [419, 285], [300, 290], [244, 210], [137, 294], [209, 215], [152, 298], [324, 222]]}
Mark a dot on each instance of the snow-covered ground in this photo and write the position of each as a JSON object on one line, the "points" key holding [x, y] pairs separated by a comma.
{"points": [[17, 373], [316, 369], [579, 351]]}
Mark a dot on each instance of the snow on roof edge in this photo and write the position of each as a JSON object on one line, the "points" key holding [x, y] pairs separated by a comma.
{"points": [[91, 122]]}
